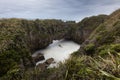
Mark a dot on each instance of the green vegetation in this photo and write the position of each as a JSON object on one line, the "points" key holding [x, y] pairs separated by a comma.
{"points": [[103, 64], [90, 48], [97, 59], [19, 38], [83, 67], [113, 49], [91, 68]]}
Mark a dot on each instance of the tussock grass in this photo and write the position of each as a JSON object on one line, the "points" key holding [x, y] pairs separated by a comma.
{"points": [[90, 68]]}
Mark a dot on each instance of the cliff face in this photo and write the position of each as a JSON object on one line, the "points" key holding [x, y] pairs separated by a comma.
{"points": [[40, 33], [89, 24], [74, 33], [80, 31]]}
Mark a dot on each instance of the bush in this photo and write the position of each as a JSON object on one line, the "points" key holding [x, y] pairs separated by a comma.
{"points": [[90, 48]]}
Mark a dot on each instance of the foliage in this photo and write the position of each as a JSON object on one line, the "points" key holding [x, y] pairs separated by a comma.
{"points": [[90, 48], [88, 68]]}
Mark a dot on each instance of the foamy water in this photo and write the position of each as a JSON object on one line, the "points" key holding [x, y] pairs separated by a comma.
{"points": [[60, 50]]}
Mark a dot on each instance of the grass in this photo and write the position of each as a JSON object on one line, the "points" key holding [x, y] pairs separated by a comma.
{"points": [[92, 68]]}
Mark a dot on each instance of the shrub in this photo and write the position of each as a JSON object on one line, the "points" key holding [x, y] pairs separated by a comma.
{"points": [[90, 48]]}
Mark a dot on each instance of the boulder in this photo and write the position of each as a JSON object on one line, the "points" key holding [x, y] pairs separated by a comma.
{"points": [[39, 57], [49, 61], [42, 66]]}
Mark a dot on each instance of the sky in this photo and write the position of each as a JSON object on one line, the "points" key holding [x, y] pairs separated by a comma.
{"points": [[56, 9]]}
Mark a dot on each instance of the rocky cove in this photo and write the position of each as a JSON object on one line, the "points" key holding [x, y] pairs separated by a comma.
{"points": [[57, 51], [20, 38]]}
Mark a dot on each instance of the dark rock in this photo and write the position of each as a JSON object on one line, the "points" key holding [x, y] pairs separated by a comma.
{"points": [[42, 66], [39, 57], [49, 61]]}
